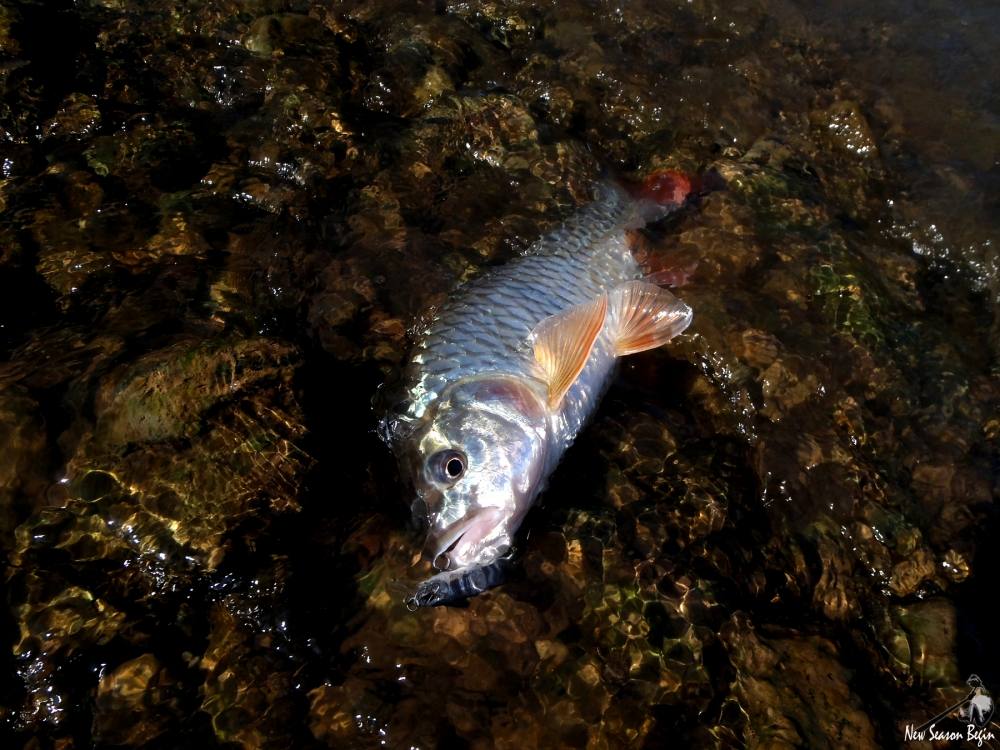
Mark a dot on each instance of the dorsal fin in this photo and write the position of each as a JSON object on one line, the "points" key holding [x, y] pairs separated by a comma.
{"points": [[644, 316], [562, 344]]}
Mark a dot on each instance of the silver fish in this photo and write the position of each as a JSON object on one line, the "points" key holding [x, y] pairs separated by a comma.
{"points": [[503, 376]]}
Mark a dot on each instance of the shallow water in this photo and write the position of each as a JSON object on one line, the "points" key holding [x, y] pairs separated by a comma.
{"points": [[218, 221]]}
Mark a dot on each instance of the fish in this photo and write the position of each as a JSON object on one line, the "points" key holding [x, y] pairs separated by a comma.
{"points": [[505, 374]]}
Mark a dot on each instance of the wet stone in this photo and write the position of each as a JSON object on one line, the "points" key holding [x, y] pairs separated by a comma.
{"points": [[509, 24], [806, 700], [247, 693], [219, 229], [161, 396], [22, 476], [8, 43], [158, 516], [134, 702], [908, 575], [848, 129], [78, 117], [493, 130], [921, 638], [277, 33]]}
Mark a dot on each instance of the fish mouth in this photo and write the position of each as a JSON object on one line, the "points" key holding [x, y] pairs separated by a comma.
{"points": [[470, 540]]}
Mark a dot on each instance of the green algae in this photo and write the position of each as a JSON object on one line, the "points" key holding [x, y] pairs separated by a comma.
{"points": [[218, 221]]}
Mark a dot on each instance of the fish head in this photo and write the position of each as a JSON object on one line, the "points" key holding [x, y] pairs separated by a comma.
{"points": [[477, 463]]}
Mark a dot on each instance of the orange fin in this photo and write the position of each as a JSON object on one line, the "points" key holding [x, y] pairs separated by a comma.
{"points": [[563, 342], [644, 316]]}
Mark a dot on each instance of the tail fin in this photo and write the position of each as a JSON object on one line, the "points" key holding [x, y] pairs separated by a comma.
{"points": [[660, 194], [665, 188]]}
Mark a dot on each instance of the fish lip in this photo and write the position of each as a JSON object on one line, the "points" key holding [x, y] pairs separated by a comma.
{"points": [[439, 544], [442, 544]]}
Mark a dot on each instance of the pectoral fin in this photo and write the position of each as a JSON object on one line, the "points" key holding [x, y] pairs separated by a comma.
{"points": [[644, 316], [562, 344]]}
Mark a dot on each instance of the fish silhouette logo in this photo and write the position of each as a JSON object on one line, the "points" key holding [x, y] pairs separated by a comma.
{"points": [[978, 706], [975, 711]]}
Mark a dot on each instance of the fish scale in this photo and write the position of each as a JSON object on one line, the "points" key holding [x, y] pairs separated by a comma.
{"points": [[488, 324]]}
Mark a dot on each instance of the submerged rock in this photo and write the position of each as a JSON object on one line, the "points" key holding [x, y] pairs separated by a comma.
{"points": [[795, 691], [247, 694], [135, 703], [923, 642], [189, 442], [217, 227], [23, 483]]}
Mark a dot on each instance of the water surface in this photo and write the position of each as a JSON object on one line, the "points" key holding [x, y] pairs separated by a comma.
{"points": [[219, 219]]}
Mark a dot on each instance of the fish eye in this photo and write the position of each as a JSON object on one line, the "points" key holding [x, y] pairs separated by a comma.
{"points": [[447, 466]]}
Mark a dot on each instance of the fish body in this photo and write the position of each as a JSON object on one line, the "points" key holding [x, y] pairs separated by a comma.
{"points": [[503, 376]]}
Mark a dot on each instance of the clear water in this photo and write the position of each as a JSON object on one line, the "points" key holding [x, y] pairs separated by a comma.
{"points": [[218, 221]]}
